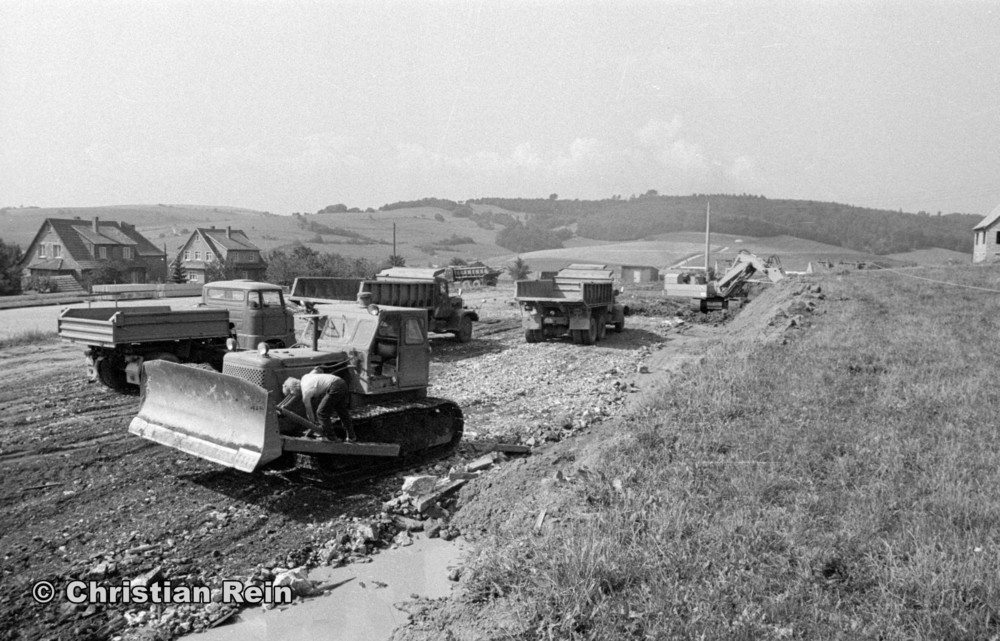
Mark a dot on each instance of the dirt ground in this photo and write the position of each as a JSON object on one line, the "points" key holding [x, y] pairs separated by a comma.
{"points": [[82, 498]]}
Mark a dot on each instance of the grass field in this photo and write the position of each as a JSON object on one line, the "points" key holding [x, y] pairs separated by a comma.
{"points": [[842, 485]]}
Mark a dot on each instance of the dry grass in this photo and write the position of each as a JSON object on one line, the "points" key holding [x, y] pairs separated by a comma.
{"points": [[839, 486], [27, 338]]}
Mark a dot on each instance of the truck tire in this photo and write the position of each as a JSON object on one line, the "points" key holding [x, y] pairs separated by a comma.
{"points": [[534, 335], [576, 335], [111, 373], [589, 336], [602, 326], [476, 284], [619, 326], [464, 333]]}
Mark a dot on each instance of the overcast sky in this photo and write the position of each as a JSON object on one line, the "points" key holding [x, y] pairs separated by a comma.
{"points": [[292, 106]]}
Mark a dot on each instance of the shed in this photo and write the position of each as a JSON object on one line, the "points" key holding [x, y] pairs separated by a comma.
{"points": [[986, 242], [640, 274]]}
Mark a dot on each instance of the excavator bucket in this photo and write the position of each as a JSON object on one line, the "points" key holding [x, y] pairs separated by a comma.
{"points": [[215, 416]]}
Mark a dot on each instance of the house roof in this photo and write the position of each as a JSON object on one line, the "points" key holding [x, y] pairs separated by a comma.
{"points": [[50, 264], [990, 219], [74, 231], [228, 239]]}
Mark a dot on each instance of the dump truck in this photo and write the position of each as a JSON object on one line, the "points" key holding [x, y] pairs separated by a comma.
{"points": [[236, 314], [580, 301], [240, 417], [399, 287], [708, 292], [472, 275]]}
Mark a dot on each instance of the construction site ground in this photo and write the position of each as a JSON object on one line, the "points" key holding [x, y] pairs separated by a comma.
{"points": [[84, 499]]}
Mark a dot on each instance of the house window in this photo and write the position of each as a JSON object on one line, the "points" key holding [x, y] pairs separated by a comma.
{"points": [[102, 252], [197, 255], [127, 253], [187, 255], [41, 251], [998, 237], [209, 257], [57, 251]]}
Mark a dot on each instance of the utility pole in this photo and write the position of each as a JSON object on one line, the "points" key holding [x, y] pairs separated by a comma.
{"points": [[708, 216], [394, 241]]}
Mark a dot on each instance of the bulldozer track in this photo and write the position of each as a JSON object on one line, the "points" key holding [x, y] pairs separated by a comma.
{"points": [[396, 425]]}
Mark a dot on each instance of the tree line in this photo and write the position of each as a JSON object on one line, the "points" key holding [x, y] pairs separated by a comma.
{"points": [[874, 231]]}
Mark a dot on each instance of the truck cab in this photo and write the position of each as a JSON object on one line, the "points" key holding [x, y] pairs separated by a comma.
{"points": [[257, 312]]}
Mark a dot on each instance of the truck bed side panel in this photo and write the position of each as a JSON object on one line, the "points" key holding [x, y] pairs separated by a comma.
{"points": [[320, 288], [140, 325]]}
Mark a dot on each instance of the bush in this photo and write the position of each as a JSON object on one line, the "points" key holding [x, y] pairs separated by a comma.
{"points": [[42, 285], [457, 240], [520, 238]]}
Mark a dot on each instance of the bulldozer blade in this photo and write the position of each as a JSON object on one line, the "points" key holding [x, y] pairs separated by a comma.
{"points": [[214, 416]]}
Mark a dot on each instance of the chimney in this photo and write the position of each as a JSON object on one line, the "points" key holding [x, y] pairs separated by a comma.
{"points": [[96, 221], [229, 232]]}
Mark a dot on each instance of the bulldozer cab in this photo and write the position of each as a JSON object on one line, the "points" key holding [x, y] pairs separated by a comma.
{"points": [[389, 346]]}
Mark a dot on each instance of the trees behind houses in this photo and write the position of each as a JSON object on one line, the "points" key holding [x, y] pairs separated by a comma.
{"points": [[10, 269], [284, 265]]}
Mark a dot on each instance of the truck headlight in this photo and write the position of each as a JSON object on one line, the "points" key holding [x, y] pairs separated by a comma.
{"points": [[231, 344], [263, 349]]}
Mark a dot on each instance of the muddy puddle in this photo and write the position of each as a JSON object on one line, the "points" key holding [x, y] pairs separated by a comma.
{"points": [[361, 607]]}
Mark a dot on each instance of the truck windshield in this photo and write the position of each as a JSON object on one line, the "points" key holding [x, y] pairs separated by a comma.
{"points": [[228, 295], [271, 298]]}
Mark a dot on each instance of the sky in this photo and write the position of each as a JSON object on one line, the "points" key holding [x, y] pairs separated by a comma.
{"points": [[295, 105]]}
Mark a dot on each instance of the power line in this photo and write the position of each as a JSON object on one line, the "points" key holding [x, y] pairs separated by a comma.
{"points": [[940, 282]]}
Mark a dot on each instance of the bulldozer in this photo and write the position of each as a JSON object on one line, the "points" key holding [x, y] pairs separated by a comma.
{"points": [[240, 417]]}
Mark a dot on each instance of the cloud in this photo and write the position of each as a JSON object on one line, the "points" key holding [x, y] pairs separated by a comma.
{"points": [[688, 164], [661, 139]]}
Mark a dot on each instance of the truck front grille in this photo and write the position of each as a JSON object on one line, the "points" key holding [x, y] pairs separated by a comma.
{"points": [[253, 375]]}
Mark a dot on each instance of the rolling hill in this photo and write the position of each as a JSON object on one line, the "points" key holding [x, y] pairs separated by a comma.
{"points": [[431, 235]]}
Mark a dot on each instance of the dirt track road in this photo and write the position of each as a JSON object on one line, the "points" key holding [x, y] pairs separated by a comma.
{"points": [[83, 498]]}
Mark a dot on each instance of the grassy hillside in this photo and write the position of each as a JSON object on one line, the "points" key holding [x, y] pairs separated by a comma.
{"points": [[668, 250], [431, 235], [835, 480], [861, 229]]}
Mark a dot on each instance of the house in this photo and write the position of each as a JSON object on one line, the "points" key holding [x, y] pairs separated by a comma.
{"points": [[229, 247], [986, 244], [77, 247], [639, 274]]}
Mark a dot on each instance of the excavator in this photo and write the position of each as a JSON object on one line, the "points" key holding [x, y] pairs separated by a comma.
{"points": [[708, 293], [240, 418]]}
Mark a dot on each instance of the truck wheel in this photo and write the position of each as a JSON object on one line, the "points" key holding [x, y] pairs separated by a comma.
{"points": [[589, 335], [464, 333], [476, 284], [113, 376], [534, 335], [619, 326], [602, 326], [576, 335]]}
